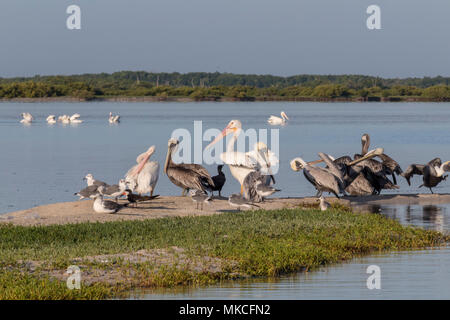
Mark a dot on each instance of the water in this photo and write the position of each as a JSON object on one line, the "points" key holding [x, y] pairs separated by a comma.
{"points": [[421, 274], [43, 164]]}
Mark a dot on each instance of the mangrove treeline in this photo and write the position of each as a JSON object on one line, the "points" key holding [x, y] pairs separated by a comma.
{"points": [[222, 86]]}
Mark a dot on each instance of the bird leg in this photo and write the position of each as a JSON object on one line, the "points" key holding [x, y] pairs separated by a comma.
{"points": [[431, 191], [242, 189]]}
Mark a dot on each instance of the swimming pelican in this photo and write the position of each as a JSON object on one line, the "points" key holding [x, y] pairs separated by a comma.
{"points": [[51, 119], [277, 121], [65, 119], [27, 118], [330, 179], [432, 172], [75, 118], [186, 176], [113, 119], [142, 177], [240, 163]]}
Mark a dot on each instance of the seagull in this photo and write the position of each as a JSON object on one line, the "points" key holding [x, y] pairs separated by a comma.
{"points": [[91, 181], [104, 206], [88, 192], [113, 119], [199, 197], [324, 206], [219, 180], [51, 119], [238, 201], [116, 190], [277, 121], [264, 190]]}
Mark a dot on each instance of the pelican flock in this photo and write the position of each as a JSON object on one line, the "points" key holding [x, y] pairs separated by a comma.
{"points": [[366, 173]]}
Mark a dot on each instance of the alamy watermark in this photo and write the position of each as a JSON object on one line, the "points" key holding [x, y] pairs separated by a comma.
{"points": [[374, 280], [74, 279]]}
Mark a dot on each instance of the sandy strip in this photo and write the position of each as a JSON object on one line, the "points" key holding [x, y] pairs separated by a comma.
{"points": [[81, 211]]}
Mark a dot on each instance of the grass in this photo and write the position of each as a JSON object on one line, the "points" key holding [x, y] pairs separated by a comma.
{"points": [[261, 243]]}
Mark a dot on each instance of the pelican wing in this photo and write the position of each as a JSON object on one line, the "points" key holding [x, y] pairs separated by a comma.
{"points": [[198, 169], [240, 159], [332, 167], [412, 170], [390, 163]]}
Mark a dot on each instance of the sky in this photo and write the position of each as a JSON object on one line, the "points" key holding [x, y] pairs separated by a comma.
{"points": [[280, 37]]}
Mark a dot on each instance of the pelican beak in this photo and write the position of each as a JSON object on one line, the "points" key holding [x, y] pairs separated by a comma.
{"points": [[142, 164], [371, 154], [315, 162], [224, 133]]}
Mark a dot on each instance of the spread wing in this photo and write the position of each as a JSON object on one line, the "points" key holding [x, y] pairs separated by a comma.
{"points": [[413, 169], [239, 159]]}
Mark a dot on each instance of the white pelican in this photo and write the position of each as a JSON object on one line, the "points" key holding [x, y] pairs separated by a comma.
{"points": [[113, 119], [240, 163], [75, 118], [142, 177], [277, 121], [64, 119], [26, 118], [51, 119]]}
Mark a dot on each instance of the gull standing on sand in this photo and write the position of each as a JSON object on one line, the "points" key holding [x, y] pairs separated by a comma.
{"points": [[264, 190], [277, 121], [199, 198], [238, 201], [88, 192], [116, 190], [91, 181], [104, 206], [27, 118], [113, 119], [143, 176]]}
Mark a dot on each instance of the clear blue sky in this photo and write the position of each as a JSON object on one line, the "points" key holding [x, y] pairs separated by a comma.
{"points": [[282, 37]]}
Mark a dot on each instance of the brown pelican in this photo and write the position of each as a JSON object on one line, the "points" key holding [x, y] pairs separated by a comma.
{"points": [[219, 180], [237, 201], [186, 176], [51, 119], [388, 165], [277, 121], [27, 118], [240, 163], [113, 119], [143, 176], [104, 206], [330, 179], [199, 198], [432, 172]]}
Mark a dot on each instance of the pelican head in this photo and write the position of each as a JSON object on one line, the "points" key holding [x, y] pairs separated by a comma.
{"points": [[173, 143], [284, 116], [232, 127], [365, 142], [298, 164]]}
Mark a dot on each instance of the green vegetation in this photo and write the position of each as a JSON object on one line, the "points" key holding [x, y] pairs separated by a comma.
{"points": [[225, 86], [258, 243]]}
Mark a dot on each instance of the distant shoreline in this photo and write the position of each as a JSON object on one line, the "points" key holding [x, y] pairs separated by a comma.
{"points": [[226, 99]]}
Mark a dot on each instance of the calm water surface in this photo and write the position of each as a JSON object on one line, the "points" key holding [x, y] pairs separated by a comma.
{"points": [[43, 164]]}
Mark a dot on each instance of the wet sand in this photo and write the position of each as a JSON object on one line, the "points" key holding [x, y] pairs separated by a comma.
{"points": [[81, 211]]}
